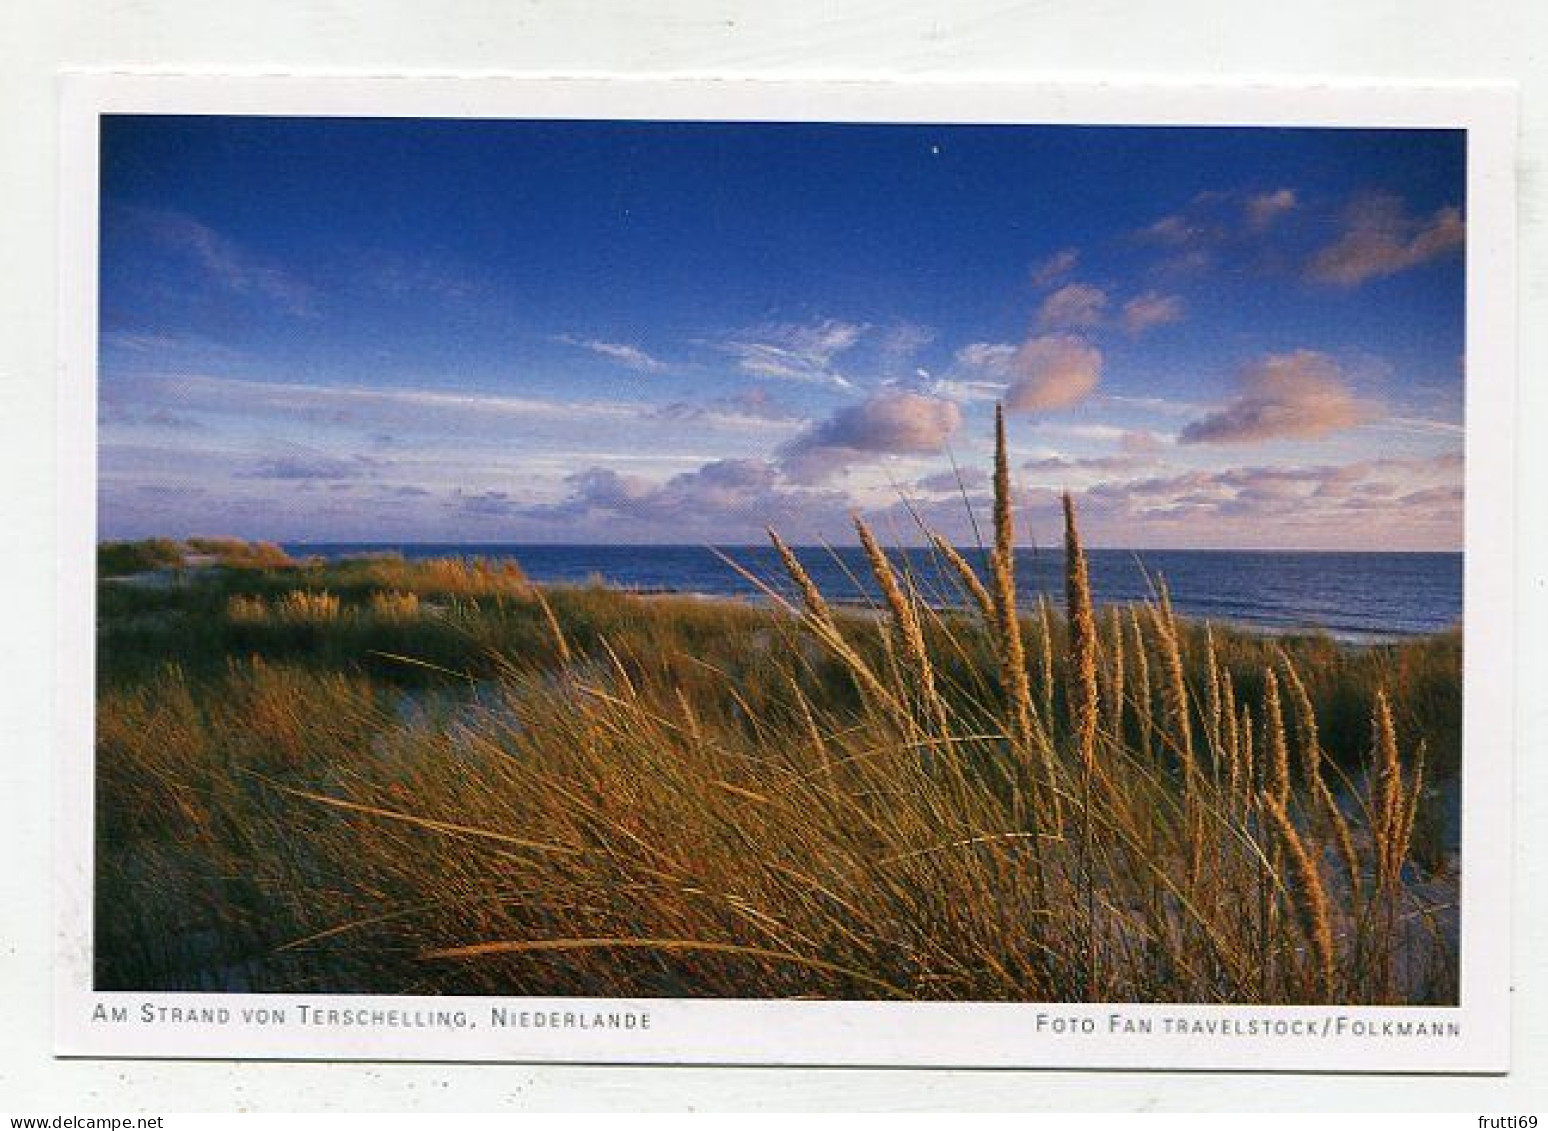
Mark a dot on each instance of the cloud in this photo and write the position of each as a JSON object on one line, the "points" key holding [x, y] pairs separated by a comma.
{"points": [[310, 467], [419, 276], [1119, 463], [890, 422], [390, 414], [1149, 310], [979, 373], [224, 262], [112, 413], [1136, 450], [1044, 373], [1049, 271], [1380, 238], [393, 405], [1169, 231], [803, 353], [749, 407], [727, 497], [1074, 306], [1221, 226], [1293, 491], [1053, 372], [988, 358], [632, 356], [900, 344], [1302, 395], [953, 482], [1265, 208], [1141, 443], [487, 504]]}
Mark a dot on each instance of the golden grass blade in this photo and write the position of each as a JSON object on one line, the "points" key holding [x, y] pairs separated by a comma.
{"points": [[1274, 735], [481, 950], [426, 822], [968, 577], [1307, 893], [905, 621], [1012, 654], [1085, 707]]}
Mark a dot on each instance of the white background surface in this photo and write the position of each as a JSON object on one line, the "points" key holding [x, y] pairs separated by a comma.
{"points": [[1104, 40]]}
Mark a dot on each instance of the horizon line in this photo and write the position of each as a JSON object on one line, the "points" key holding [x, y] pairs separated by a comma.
{"points": [[1053, 547]]}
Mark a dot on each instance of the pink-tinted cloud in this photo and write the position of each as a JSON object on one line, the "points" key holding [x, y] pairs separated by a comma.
{"points": [[1049, 271], [890, 422], [1151, 309], [1171, 231], [1074, 306], [1370, 504], [1301, 395], [1216, 228], [1384, 503], [1265, 208], [954, 482], [1381, 238], [1053, 372], [1141, 443], [1056, 465], [739, 495]]}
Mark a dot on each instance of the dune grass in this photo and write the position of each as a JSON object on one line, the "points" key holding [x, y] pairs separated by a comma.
{"points": [[382, 776]]}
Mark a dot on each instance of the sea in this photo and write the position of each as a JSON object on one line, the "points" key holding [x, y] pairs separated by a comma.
{"points": [[1352, 597]]}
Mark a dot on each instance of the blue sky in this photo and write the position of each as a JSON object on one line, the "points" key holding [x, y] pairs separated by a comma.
{"points": [[335, 330]]}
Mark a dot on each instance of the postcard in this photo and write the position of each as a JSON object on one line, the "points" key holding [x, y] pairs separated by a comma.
{"points": [[776, 573]]}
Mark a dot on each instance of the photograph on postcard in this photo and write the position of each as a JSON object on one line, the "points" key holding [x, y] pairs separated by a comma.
{"points": [[816, 561]]}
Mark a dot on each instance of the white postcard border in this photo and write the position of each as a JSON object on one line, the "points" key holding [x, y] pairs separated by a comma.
{"points": [[1364, 1039]]}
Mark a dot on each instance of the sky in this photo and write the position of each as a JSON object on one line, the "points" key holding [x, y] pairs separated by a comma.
{"points": [[343, 330]]}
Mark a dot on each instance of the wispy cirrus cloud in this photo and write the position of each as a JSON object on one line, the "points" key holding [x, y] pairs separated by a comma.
{"points": [[899, 345], [986, 360], [750, 406], [419, 276], [622, 352], [221, 260], [1304, 395], [360, 402], [801, 352], [1381, 237], [388, 411]]}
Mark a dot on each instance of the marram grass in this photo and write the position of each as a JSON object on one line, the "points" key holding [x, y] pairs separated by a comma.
{"points": [[382, 777]]}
